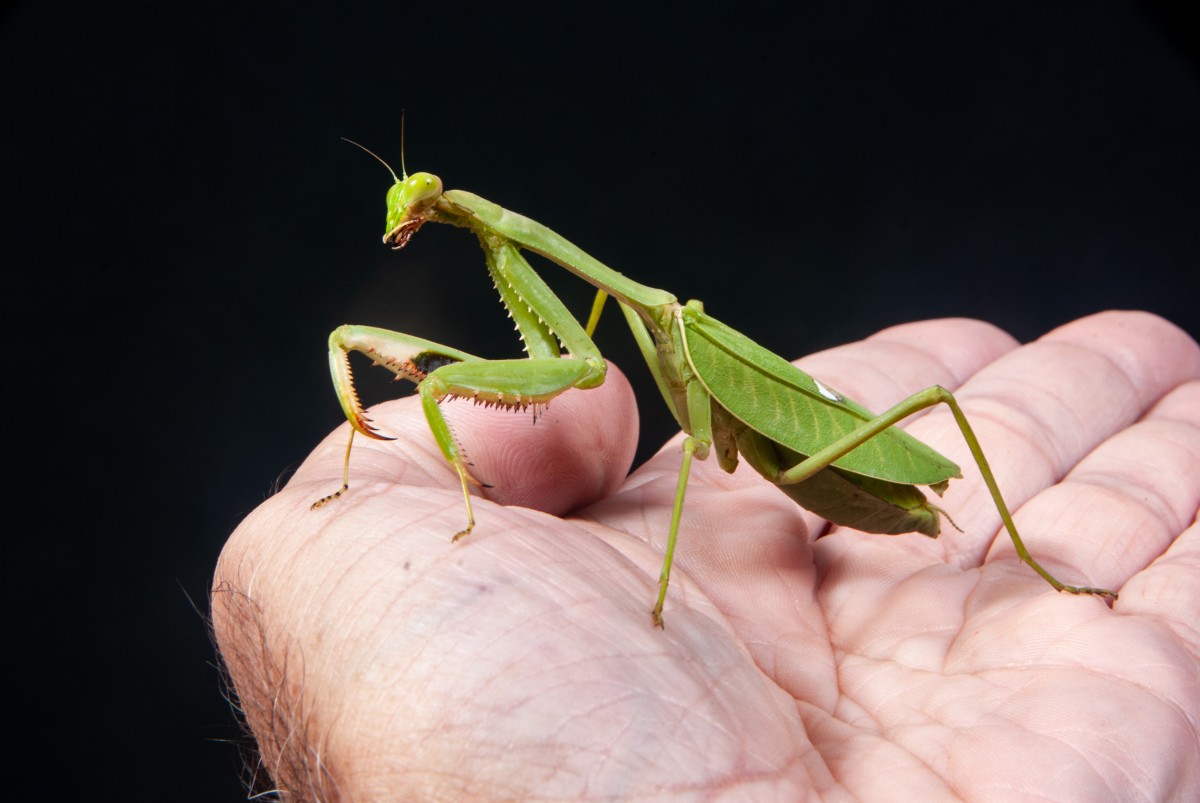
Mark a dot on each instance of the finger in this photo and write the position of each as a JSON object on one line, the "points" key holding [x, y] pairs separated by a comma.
{"points": [[576, 450], [1137, 497], [902, 360], [1038, 411]]}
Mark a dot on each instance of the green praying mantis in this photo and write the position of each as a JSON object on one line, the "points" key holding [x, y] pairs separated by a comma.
{"points": [[729, 394]]}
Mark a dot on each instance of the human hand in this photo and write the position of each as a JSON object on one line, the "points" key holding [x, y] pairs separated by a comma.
{"points": [[376, 660]]}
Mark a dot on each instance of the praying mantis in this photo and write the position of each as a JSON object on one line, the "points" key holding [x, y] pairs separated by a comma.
{"points": [[730, 395]]}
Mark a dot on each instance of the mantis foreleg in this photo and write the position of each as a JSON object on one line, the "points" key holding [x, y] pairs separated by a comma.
{"points": [[441, 372]]}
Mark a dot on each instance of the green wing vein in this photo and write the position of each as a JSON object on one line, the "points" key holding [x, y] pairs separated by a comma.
{"points": [[774, 397]]}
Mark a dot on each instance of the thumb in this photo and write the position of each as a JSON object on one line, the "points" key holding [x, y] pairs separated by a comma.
{"points": [[575, 451]]}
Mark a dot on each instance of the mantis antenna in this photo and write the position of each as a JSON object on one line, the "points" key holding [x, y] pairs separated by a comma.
{"points": [[380, 160], [403, 168]]}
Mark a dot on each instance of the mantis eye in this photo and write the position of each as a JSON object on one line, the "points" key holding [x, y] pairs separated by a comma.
{"points": [[414, 195], [420, 191]]}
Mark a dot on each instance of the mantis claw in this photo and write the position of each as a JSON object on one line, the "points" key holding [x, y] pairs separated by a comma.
{"points": [[345, 478], [1104, 594], [465, 477], [326, 499], [363, 424]]}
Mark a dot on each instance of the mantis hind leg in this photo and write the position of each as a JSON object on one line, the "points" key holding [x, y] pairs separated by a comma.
{"points": [[989, 479], [931, 397]]}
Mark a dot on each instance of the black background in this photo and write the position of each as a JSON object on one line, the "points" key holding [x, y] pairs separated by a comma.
{"points": [[182, 228]]}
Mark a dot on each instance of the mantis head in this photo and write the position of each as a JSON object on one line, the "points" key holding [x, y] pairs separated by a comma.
{"points": [[407, 201]]}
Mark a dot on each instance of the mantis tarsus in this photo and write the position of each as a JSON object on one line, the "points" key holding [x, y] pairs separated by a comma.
{"points": [[730, 395]]}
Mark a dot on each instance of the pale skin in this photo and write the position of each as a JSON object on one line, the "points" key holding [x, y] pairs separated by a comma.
{"points": [[377, 660]]}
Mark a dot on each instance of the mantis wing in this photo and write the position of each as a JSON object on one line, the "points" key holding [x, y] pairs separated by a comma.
{"points": [[771, 396]]}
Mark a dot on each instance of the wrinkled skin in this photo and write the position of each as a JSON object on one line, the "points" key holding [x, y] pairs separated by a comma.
{"points": [[376, 660]]}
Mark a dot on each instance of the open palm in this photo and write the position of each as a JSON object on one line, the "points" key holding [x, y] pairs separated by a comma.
{"points": [[376, 660]]}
